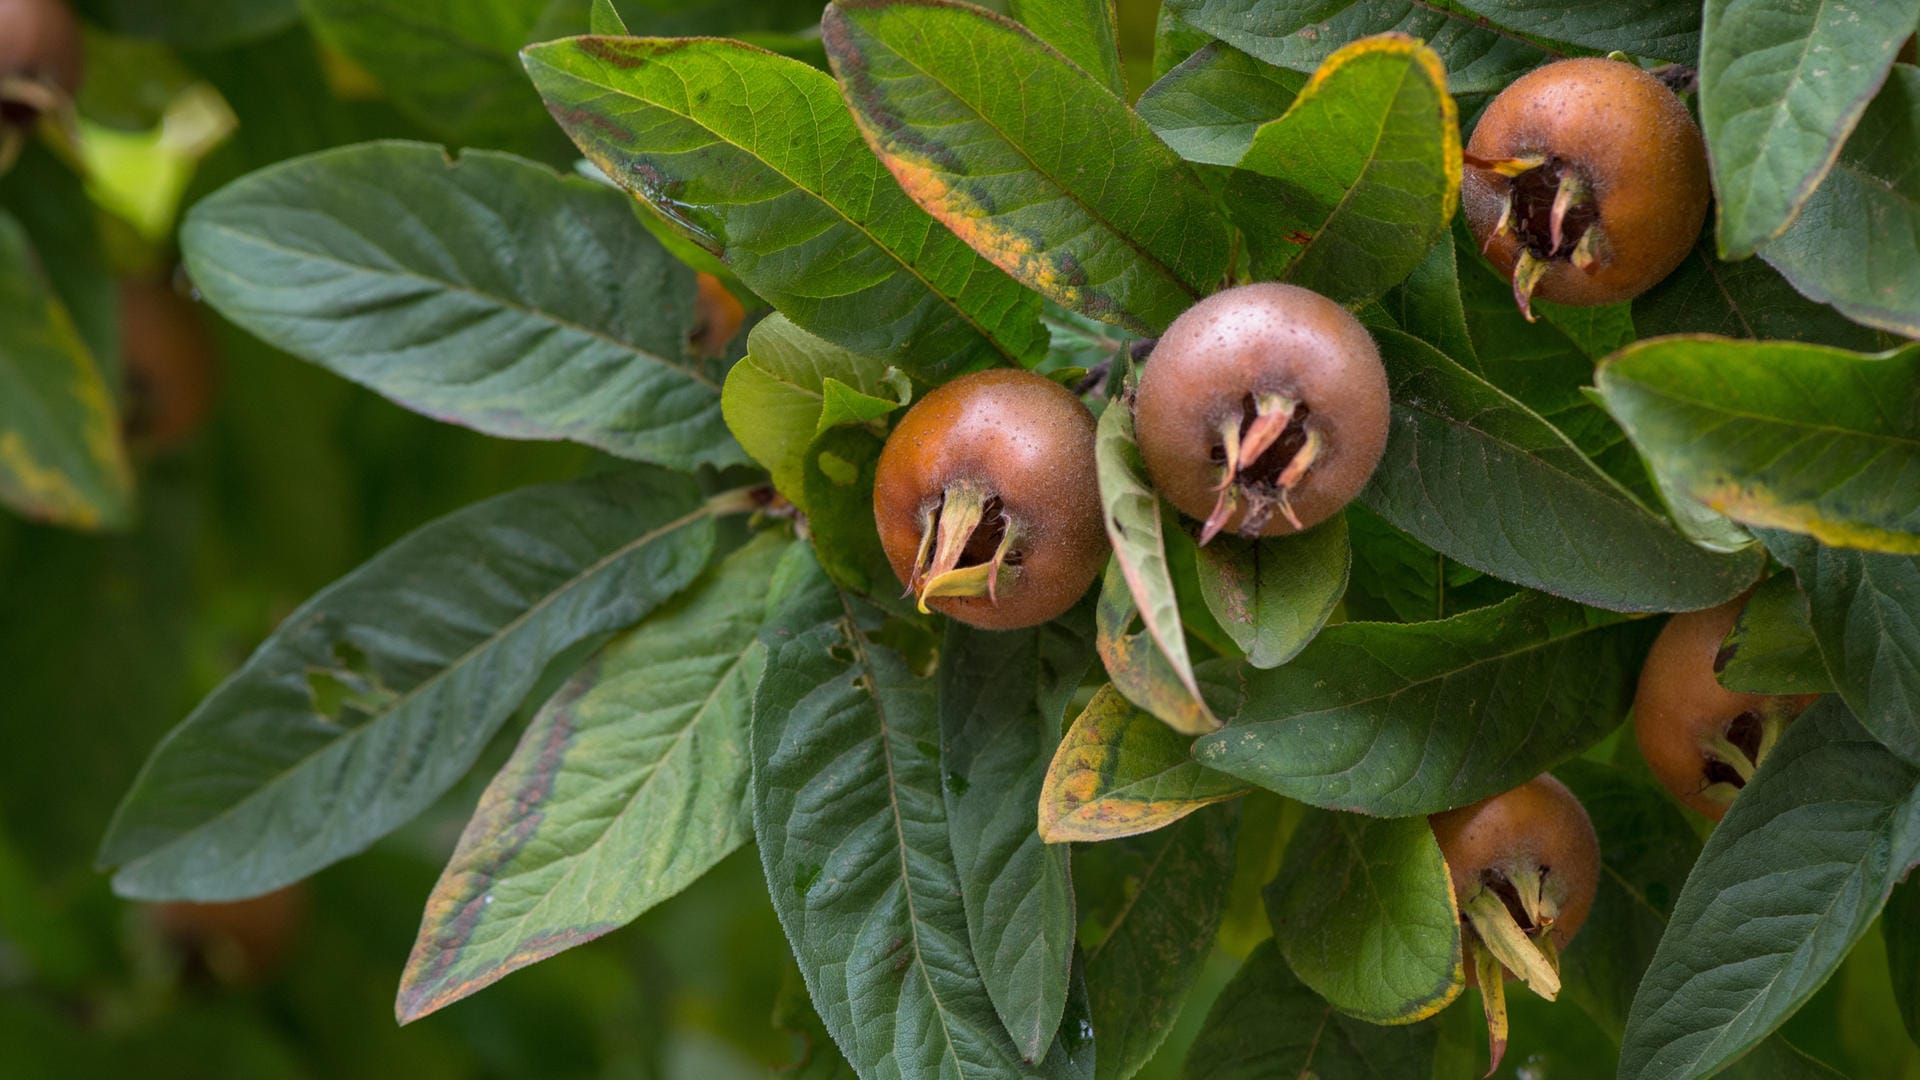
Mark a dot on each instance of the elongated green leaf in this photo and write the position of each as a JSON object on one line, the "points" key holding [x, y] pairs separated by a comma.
{"points": [[1393, 720], [754, 157], [1120, 772], [61, 459], [487, 291], [1902, 929], [629, 784], [197, 24], [1747, 299], [854, 837], [1267, 1024], [1856, 243], [1780, 88], [1478, 477], [776, 397], [1155, 903], [1660, 29], [1772, 649], [1209, 107], [1865, 612], [837, 490], [605, 19], [378, 693], [1001, 700], [1790, 879], [1300, 34], [1366, 918], [1798, 437], [1345, 193], [449, 64], [1273, 594], [1086, 32], [1032, 161], [1398, 579], [1429, 304]]}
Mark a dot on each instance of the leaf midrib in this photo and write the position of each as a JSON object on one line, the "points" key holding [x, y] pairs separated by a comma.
{"points": [[1660, 391]]}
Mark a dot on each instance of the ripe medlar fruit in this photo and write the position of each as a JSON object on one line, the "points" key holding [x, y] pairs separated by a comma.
{"points": [[1586, 182], [1702, 740], [1262, 410], [169, 367], [234, 943], [1525, 865], [41, 61], [717, 317], [987, 501]]}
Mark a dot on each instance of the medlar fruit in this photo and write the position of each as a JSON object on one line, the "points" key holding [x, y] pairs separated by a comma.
{"points": [[168, 364], [41, 61]]}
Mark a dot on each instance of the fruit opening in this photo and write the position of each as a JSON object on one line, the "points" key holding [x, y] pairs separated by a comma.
{"points": [[1534, 199], [1263, 454], [1745, 733], [1509, 894], [986, 536], [966, 540]]}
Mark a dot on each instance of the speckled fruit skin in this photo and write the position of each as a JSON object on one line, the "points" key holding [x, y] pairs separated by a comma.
{"points": [[1633, 140], [169, 365], [1029, 441], [40, 40], [1680, 701], [1538, 824], [1259, 339]]}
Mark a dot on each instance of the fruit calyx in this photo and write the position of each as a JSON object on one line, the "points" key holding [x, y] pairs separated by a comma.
{"points": [[1511, 916], [1264, 452], [1550, 210], [967, 540], [1730, 757]]}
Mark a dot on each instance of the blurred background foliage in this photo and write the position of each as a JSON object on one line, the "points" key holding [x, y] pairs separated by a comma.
{"points": [[107, 641]]}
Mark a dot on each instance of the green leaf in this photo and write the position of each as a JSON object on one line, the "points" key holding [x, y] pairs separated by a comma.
{"points": [[1032, 161], [1780, 88], [1429, 304], [629, 784], [604, 19], [1778, 435], [1395, 719], [1772, 649], [1209, 107], [1856, 243], [856, 843], [1086, 32], [421, 653], [1397, 578], [1901, 925], [1659, 29], [196, 24], [1365, 916], [48, 200], [1300, 34], [1480, 478], [61, 459], [1131, 508], [450, 64], [1267, 1024], [1747, 299], [1121, 772], [1345, 193], [775, 400], [1273, 594], [1793, 876], [525, 304], [837, 490], [1153, 904], [1001, 699], [1865, 612], [753, 156]]}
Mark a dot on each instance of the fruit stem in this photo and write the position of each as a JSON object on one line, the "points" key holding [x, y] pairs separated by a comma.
{"points": [[1493, 1000], [1503, 938]]}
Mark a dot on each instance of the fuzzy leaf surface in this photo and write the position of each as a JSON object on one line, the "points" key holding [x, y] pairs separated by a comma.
{"points": [[1086, 32], [1031, 160], [1657, 29], [1772, 649], [753, 156], [1209, 107], [1747, 299], [376, 695], [1119, 772]]}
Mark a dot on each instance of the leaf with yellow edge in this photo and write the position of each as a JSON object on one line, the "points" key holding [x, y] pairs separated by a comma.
{"points": [[1120, 772]]}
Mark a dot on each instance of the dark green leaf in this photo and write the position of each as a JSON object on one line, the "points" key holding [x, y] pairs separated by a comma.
{"points": [[1273, 594], [377, 694], [1299, 34], [1779, 435], [1747, 299], [1790, 879], [61, 459], [1394, 719], [1661, 29], [1001, 699], [1397, 578], [1138, 668], [1856, 243], [753, 156], [1365, 916], [487, 291], [1209, 107], [197, 24], [1429, 305], [854, 837], [1154, 903], [1266, 1024], [1865, 612], [1901, 925], [1345, 193], [1474, 474], [1780, 88], [48, 199], [1084, 31], [1032, 161], [629, 784], [1772, 649], [1120, 772], [837, 490]]}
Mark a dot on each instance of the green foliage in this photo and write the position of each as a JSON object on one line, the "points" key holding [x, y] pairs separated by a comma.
{"points": [[1210, 107], [1275, 593], [1772, 648], [1120, 771]]}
